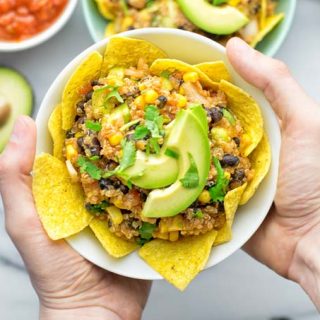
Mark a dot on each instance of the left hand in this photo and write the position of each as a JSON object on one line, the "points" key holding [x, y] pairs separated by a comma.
{"points": [[68, 286]]}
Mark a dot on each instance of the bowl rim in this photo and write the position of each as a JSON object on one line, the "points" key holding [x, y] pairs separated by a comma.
{"points": [[271, 49], [8, 46], [58, 84]]}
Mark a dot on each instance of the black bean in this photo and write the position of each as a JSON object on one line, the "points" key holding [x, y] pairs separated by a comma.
{"points": [[163, 100], [70, 134], [133, 126], [80, 120], [95, 150], [105, 183], [80, 107], [210, 184], [237, 141], [215, 114], [124, 189], [143, 196], [130, 136], [229, 160], [95, 141], [89, 95], [95, 83], [238, 175], [131, 28], [80, 142]]}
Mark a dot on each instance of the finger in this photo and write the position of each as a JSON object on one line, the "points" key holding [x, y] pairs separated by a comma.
{"points": [[272, 77], [15, 167]]}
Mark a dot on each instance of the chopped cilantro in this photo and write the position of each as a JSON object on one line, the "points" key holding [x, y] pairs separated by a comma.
{"points": [[151, 112], [93, 125], [171, 153], [219, 190], [140, 132], [94, 158], [154, 145], [219, 2], [146, 230], [87, 166], [97, 209], [165, 74], [114, 93], [129, 156], [191, 178], [198, 214]]}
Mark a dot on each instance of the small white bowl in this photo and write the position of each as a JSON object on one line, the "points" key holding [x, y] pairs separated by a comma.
{"points": [[191, 48], [7, 46]]}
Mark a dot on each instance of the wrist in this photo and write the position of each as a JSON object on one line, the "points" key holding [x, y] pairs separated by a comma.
{"points": [[85, 313], [305, 266]]}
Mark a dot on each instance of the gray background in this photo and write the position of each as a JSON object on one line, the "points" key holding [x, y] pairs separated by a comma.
{"points": [[238, 288]]}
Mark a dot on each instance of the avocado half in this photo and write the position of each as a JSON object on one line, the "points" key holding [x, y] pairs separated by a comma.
{"points": [[220, 20], [16, 91]]}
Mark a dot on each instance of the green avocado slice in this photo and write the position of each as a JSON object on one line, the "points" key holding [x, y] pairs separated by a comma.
{"points": [[199, 112], [16, 99], [188, 137], [213, 19]]}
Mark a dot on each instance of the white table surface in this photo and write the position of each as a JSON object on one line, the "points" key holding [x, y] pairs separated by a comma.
{"points": [[239, 288]]}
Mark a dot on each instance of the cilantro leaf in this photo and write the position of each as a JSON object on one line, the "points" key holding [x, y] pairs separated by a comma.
{"points": [[140, 132], [146, 230], [191, 178], [129, 156], [219, 190], [94, 158], [165, 74], [97, 209], [151, 112], [93, 125], [171, 153], [198, 214], [115, 93], [154, 145], [91, 169]]}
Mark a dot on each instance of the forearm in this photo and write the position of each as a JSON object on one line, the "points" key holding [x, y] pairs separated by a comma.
{"points": [[90, 313], [305, 267]]}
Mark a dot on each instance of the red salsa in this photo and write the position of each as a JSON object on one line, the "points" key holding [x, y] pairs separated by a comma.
{"points": [[22, 19]]}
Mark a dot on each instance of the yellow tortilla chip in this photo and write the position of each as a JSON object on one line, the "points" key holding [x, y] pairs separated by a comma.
{"points": [[231, 203], [215, 70], [56, 132], [126, 52], [260, 160], [269, 24], [263, 14], [114, 245], [103, 9], [179, 262], [171, 65], [87, 71], [60, 203], [247, 111]]}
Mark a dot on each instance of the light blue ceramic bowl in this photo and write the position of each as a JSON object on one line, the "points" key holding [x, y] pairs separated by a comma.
{"points": [[269, 46]]}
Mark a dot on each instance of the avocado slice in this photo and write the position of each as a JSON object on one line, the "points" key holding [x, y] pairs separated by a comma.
{"points": [[223, 19], [17, 98], [120, 112], [153, 171], [199, 112], [187, 137]]}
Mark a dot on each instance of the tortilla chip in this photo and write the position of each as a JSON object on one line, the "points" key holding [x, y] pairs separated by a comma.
{"points": [[114, 245], [103, 9], [215, 70], [263, 14], [60, 203], [179, 262], [88, 70], [56, 132], [270, 24], [231, 203], [247, 111], [125, 52], [260, 161], [171, 65]]}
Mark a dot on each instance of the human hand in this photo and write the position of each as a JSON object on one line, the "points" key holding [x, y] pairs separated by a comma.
{"points": [[68, 286], [289, 238]]}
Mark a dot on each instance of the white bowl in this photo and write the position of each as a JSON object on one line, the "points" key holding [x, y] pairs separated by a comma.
{"points": [[191, 48], [6, 46]]}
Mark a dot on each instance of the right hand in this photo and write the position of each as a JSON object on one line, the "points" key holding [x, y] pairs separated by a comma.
{"points": [[289, 238]]}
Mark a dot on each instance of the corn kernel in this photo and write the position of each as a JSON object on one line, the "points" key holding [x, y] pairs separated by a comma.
{"points": [[181, 101], [142, 87], [174, 235], [139, 102], [245, 140], [191, 76], [111, 29], [127, 22], [227, 175], [115, 215], [141, 145], [116, 138], [163, 236], [71, 152], [150, 96], [166, 84], [204, 197], [182, 91]]}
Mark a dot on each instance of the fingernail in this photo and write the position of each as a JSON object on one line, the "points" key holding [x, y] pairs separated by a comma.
{"points": [[18, 130]]}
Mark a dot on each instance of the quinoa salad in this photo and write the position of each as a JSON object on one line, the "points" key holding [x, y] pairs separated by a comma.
{"points": [[141, 108]]}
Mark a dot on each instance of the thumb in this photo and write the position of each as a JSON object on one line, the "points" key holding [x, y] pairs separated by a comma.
{"points": [[15, 181], [271, 76]]}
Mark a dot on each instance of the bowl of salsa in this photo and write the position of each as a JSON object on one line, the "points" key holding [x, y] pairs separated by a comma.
{"points": [[27, 23]]}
